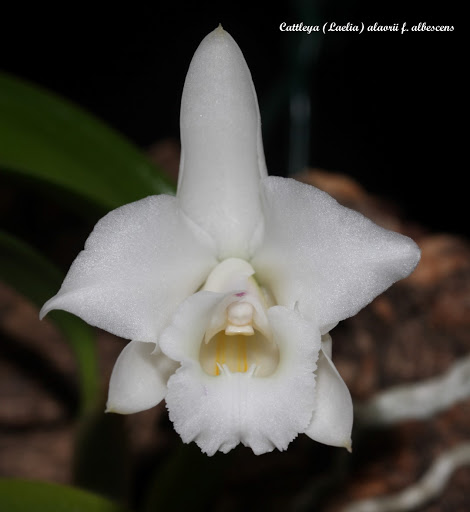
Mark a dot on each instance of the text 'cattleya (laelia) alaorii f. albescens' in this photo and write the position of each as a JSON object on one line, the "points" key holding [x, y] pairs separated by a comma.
{"points": [[228, 291]]}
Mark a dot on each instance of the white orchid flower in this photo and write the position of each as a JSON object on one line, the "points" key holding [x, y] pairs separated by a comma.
{"points": [[228, 290]]}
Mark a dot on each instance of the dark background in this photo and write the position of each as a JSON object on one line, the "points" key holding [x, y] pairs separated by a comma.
{"points": [[385, 110], [385, 106]]}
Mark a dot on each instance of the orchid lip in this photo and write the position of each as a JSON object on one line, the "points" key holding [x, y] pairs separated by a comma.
{"points": [[225, 370], [239, 353]]}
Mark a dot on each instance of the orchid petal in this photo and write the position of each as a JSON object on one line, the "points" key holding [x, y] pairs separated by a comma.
{"points": [[222, 158], [218, 412], [334, 260], [139, 263], [333, 415], [139, 378]]}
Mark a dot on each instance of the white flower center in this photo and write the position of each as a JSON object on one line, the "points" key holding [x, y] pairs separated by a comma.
{"points": [[238, 337]]}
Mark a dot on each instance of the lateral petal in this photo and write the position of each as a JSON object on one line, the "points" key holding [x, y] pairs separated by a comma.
{"points": [[333, 414], [139, 263], [330, 260], [139, 378], [222, 158]]}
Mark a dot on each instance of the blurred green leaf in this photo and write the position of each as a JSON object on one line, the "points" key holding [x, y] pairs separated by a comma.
{"points": [[44, 137], [187, 468], [102, 459], [34, 277], [28, 496]]}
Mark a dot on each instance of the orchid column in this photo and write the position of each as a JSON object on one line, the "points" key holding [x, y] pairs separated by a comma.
{"points": [[228, 291]]}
